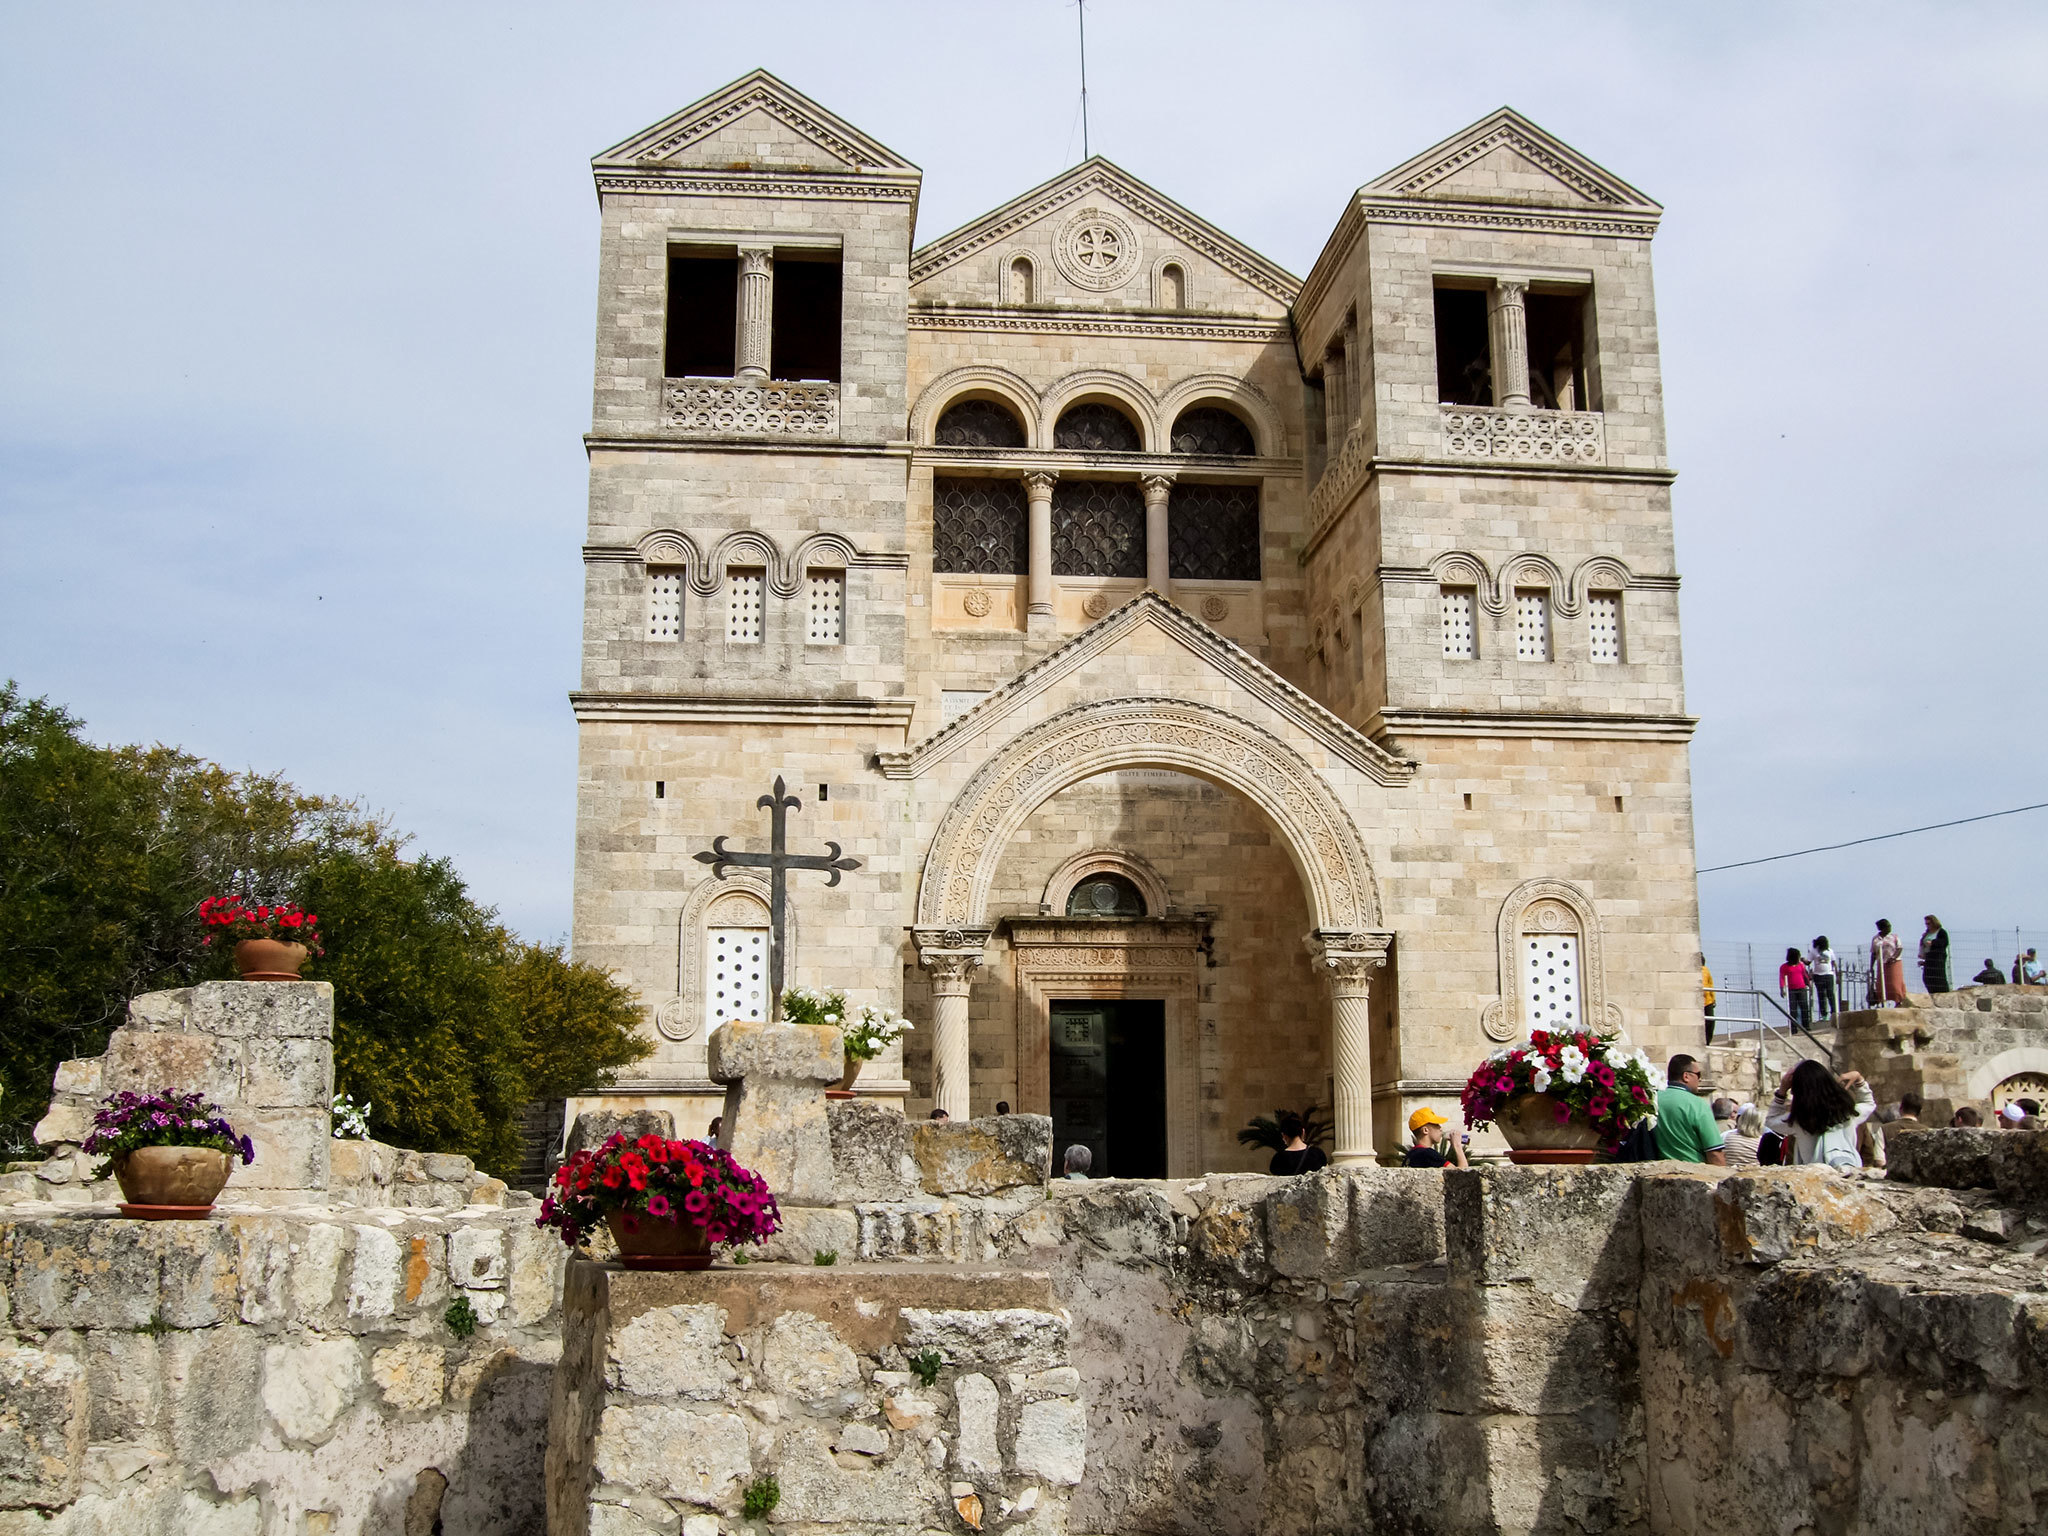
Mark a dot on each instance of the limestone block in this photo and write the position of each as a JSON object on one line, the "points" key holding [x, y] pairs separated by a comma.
{"points": [[309, 1384], [201, 1271], [150, 1061], [293, 1149], [594, 1127], [895, 1494], [1771, 1215], [200, 1516], [976, 1454], [984, 1156], [82, 1274], [161, 1010], [1052, 1441], [808, 1230], [448, 1167], [125, 1373], [534, 1273], [361, 1171], [1005, 1336], [64, 1123], [1571, 1232], [673, 1452], [805, 1359], [1946, 1158], [209, 1383], [410, 1376], [862, 1439], [476, 1258], [275, 1010], [316, 1285], [374, 1275], [44, 1407], [1335, 1223], [775, 1102], [288, 1074], [870, 1152], [671, 1352]]}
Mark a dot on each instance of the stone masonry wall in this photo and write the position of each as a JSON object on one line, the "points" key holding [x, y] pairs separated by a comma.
{"points": [[1952, 1048]]}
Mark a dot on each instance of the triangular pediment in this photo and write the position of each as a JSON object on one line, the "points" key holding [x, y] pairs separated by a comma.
{"points": [[758, 123], [1102, 183], [1505, 158], [1150, 646]]}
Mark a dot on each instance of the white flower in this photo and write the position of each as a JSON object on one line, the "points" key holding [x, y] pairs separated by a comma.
{"points": [[1540, 1083], [1572, 1064], [1500, 1055], [831, 1018], [1615, 1057]]}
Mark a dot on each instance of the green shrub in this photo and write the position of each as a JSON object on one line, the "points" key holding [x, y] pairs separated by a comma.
{"points": [[761, 1497]]}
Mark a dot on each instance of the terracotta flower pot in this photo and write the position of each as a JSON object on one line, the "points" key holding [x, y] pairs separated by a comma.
{"points": [[171, 1183], [845, 1088], [270, 960], [1535, 1134], [654, 1243]]}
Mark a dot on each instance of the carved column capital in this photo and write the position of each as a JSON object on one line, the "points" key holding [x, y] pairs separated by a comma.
{"points": [[1156, 487], [952, 955], [1348, 959], [1039, 483], [755, 259]]}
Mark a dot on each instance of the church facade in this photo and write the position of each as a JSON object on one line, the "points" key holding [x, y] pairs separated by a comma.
{"points": [[1242, 692]]}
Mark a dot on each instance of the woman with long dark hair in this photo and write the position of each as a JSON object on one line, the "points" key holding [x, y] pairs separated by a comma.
{"points": [[1819, 1113]]}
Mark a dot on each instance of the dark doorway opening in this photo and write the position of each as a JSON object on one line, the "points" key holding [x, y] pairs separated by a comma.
{"points": [[1109, 1085]]}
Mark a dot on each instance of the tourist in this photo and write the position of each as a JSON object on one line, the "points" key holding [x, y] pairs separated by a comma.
{"points": [[1078, 1161], [1821, 970], [1966, 1119], [1707, 989], [938, 1114], [1295, 1154], [1427, 1127], [717, 1125], [1002, 1106], [1934, 956], [1990, 976], [1792, 985], [1887, 969], [2026, 969], [1743, 1141], [1905, 1117], [1820, 1114], [1686, 1132], [1870, 1136]]}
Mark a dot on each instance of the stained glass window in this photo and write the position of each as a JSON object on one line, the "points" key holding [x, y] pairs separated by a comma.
{"points": [[1213, 533], [978, 527], [1098, 528]]}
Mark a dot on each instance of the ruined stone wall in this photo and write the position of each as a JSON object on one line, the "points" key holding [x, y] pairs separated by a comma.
{"points": [[1951, 1048]]}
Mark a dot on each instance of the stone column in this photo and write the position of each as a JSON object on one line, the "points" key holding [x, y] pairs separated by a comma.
{"points": [[1349, 959], [1156, 565], [1354, 392], [1336, 416], [952, 956], [1510, 328], [1040, 618], [756, 311]]}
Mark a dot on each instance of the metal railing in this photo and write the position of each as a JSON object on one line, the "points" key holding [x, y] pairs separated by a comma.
{"points": [[1760, 1029]]}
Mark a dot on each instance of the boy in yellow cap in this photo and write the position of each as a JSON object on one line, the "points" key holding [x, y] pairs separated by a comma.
{"points": [[1427, 1127]]}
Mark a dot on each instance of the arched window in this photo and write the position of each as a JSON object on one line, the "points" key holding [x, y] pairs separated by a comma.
{"points": [[979, 424], [1106, 895], [1097, 427], [1173, 286], [1211, 429], [1021, 283]]}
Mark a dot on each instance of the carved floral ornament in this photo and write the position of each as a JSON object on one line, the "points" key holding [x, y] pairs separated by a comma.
{"points": [[977, 603], [1215, 609], [1089, 739], [1096, 249]]}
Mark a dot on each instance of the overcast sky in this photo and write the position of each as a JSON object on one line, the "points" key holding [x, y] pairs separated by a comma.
{"points": [[296, 330]]}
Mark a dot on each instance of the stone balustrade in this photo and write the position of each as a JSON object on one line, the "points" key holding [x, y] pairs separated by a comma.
{"points": [[1494, 434], [750, 408]]}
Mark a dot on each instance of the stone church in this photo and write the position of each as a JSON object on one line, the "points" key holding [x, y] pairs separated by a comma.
{"points": [[1241, 691]]}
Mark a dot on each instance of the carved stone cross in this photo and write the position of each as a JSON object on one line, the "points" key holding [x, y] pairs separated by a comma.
{"points": [[778, 861]]}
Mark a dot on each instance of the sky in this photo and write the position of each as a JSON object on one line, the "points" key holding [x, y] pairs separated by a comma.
{"points": [[296, 330]]}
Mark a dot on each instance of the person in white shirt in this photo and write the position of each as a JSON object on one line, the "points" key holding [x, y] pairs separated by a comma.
{"points": [[1821, 970]]}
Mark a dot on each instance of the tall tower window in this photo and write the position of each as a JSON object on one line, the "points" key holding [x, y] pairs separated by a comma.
{"points": [[1464, 351], [664, 604], [1603, 625], [1532, 624], [746, 593], [1460, 639], [703, 317], [825, 607], [804, 331]]}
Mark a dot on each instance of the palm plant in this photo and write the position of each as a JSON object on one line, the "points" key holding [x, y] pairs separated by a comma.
{"points": [[1264, 1130]]}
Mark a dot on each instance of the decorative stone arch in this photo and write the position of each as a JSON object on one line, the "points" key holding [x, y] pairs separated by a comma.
{"points": [[1461, 568], [671, 547], [1161, 288], [735, 547], [2024, 1058], [1538, 907], [1531, 570], [976, 383], [1006, 279], [1602, 573], [1117, 389], [1089, 739], [1106, 861], [735, 902], [1238, 396], [821, 551]]}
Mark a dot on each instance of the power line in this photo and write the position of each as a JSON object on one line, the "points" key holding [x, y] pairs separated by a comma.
{"points": [[1880, 838]]}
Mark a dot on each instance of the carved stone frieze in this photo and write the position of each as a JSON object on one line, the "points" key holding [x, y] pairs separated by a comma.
{"points": [[750, 408], [1497, 435]]}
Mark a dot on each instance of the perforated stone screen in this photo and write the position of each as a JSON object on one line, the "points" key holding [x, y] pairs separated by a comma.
{"points": [[1532, 625], [664, 604], [979, 424], [1459, 637], [746, 596], [825, 607], [1211, 429], [735, 975], [1603, 625], [1550, 981], [1096, 428]]}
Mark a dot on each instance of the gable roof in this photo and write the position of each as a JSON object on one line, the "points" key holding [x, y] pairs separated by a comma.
{"points": [[1099, 176], [1219, 651], [1549, 170], [703, 135]]}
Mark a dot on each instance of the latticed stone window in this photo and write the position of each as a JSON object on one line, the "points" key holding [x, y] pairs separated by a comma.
{"points": [[979, 424], [1603, 625], [746, 595], [1532, 624], [1209, 429], [1550, 981], [1213, 533], [1098, 528], [1096, 428], [825, 607], [664, 603], [1460, 638], [735, 975], [979, 527]]}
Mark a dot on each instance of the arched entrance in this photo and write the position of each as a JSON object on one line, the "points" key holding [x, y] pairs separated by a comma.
{"points": [[1345, 936]]}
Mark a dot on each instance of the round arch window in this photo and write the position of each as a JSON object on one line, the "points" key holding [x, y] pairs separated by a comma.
{"points": [[1106, 895], [978, 423], [1096, 427], [1211, 429]]}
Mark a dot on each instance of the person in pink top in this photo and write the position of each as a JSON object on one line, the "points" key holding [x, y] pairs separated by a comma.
{"points": [[1794, 986]]}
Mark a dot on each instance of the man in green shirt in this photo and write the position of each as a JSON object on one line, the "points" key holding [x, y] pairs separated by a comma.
{"points": [[1686, 1132]]}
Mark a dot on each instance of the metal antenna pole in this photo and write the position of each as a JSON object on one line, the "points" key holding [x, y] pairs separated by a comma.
{"points": [[1081, 9]]}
